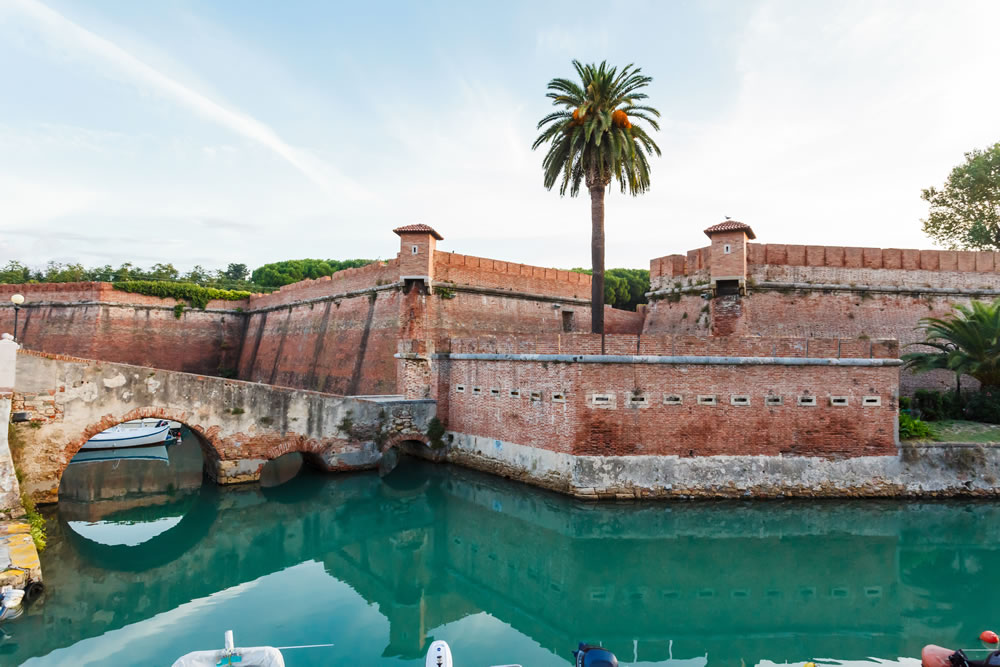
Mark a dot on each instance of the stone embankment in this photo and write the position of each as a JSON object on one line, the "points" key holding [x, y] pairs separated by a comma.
{"points": [[918, 470]]}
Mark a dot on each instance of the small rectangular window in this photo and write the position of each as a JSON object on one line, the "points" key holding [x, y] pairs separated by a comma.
{"points": [[602, 400], [536, 396], [706, 400], [773, 401], [740, 399], [515, 393], [872, 401], [672, 399], [807, 401], [477, 390], [727, 249], [838, 401], [558, 397], [637, 400], [460, 388], [415, 249], [494, 392]]}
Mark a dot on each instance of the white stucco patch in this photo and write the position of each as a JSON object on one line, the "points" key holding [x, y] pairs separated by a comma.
{"points": [[116, 381]]}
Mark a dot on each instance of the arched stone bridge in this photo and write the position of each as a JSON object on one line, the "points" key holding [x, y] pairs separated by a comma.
{"points": [[242, 425]]}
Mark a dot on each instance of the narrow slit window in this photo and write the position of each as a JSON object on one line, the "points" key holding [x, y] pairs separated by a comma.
{"points": [[459, 388], [839, 401], [515, 393], [727, 249], [495, 392], [773, 401], [872, 401], [638, 400], [536, 396], [414, 249], [707, 400], [740, 399], [807, 401], [601, 400], [673, 399], [476, 391], [558, 397]]}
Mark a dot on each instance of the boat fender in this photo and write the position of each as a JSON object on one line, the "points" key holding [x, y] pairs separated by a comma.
{"points": [[33, 591]]}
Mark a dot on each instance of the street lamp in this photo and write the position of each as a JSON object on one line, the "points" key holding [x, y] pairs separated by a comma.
{"points": [[17, 300]]}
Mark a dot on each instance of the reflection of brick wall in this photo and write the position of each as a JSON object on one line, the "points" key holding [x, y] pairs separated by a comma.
{"points": [[555, 407]]}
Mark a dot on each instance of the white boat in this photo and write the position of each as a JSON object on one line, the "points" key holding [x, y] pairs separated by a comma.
{"points": [[439, 655], [129, 436], [255, 656]]}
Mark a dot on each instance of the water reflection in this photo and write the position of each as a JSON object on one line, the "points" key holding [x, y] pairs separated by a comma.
{"points": [[281, 470], [506, 573]]}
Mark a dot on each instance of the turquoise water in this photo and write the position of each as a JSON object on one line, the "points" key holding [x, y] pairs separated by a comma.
{"points": [[503, 572]]}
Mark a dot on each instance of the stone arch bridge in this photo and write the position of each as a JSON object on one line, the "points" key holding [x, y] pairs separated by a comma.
{"points": [[64, 401]]}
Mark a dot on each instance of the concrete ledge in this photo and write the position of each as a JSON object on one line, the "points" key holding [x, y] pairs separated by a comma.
{"points": [[939, 470], [676, 360], [496, 291]]}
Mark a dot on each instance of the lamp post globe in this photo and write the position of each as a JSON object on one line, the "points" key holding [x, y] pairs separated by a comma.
{"points": [[17, 300]]}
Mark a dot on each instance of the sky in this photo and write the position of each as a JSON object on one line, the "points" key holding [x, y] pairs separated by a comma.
{"points": [[199, 132]]}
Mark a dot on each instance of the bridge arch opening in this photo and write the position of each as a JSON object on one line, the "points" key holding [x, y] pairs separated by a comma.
{"points": [[135, 488]]}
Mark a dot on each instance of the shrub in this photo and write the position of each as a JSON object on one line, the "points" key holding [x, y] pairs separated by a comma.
{"points": [[435, 431], [937, 405], [912, 429], [984, 405]]}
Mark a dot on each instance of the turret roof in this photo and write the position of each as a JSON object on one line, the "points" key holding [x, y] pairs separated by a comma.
{"points": [[418, 229], [730, 226]]}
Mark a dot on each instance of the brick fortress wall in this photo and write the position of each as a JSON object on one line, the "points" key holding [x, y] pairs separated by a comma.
{"points": [[96, 321], [626, 407], [338, 334], [798, 290]]}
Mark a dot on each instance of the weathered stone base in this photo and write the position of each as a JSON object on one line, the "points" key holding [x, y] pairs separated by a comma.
{"points": [[939, 469]]}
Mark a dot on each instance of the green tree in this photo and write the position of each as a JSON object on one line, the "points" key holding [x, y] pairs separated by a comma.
{"points": [[623, 288], [15, 273], [290, 271], [163, 272], [965, 212], [966, 342], [238, 272], [594, 141]]}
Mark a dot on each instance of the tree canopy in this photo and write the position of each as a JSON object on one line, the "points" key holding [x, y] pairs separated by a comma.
{"points": [[293, 270], [965, 211], [623, 288], [593, 138], [234, 277]]}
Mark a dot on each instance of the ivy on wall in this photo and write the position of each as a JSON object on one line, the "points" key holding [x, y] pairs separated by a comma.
{"points": [[196, 295]]}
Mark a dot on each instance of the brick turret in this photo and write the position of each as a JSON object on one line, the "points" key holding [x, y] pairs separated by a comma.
{"points": [[416, 252], [729, 256]]}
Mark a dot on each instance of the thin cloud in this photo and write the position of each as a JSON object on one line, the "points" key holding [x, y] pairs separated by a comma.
{"points": [[322, 174]]}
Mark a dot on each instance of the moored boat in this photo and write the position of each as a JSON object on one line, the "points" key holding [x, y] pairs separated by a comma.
{"points": [[255, 656], [130, 436]]}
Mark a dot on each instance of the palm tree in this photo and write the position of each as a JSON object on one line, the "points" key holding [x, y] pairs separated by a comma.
{"points": [[966, 343], [593, 140]]}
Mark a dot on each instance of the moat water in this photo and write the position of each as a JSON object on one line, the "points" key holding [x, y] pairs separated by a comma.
{"points": [[145, 563]]}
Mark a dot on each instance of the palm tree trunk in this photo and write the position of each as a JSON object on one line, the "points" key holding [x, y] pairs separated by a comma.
{"points": [[597, 259]]}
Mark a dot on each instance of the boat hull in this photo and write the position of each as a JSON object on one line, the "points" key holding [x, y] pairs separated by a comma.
{"points": [[132, 437]]}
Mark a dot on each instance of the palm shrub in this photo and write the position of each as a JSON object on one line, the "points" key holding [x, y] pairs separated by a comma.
{"points": [[967, 342], [593, 140]]}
